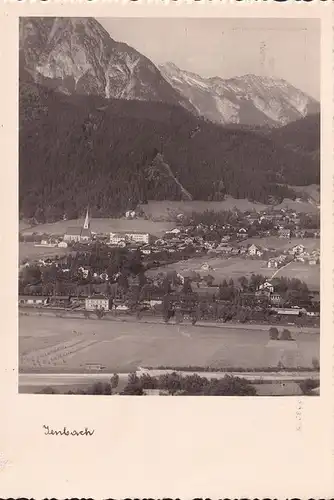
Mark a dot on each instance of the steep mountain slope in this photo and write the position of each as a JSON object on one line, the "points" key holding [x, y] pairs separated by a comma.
{"points": [[78, 149], [302, 135], [159, 173], [248, 100], [77, 55]]}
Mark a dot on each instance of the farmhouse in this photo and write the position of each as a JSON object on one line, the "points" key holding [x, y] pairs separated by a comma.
{"points": [[284, 233], [275, 298], [242, 233], [31, 300], [252, 250], [97, 302], [298, 249], [267, 286]]}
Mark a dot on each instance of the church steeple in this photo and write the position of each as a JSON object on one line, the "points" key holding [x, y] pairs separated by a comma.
{"points": [[87, 222]]}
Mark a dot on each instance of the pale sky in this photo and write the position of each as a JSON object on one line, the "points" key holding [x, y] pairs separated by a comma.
{"points": [[281, 48]]}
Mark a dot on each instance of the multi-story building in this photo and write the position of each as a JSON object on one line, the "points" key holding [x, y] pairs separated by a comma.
{"points": [[130, 237], [97, 302]]}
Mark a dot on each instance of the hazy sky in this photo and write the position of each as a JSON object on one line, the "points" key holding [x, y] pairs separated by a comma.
{"points": [[282, 48]]}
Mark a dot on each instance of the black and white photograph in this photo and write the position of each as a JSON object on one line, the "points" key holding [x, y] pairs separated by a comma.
{"points": [[169, 206]]}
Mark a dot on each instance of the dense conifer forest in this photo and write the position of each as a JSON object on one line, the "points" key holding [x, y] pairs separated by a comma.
{"points": [[75, 150]]}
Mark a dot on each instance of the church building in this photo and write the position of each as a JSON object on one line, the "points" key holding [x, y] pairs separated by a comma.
{"points": [[79, 234]]}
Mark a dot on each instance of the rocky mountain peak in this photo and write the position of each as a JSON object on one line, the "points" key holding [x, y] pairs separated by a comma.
{"points": [[77, 55], [248, 99]]}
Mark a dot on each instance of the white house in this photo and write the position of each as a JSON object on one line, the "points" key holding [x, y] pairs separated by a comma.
{"points": [[298, 249], [62, 244], [84, 271], [252, 250], [267, 286], [130, 214], [206, 267]]}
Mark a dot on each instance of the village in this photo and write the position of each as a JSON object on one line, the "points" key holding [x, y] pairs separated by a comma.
{"points": [[188, 259]]}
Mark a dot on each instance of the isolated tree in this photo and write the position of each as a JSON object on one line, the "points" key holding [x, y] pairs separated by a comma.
{"points": [[133, 387], [209, 279], [166, 286], [286, 335], [186, 288], [315, 363], [307, 385], [100, 312], [114, 381], [243, 282], [178, 315], [273, 333], [86, 314]]}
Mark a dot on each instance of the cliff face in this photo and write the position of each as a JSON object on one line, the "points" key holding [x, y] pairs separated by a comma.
{"points": [[77, 55]]}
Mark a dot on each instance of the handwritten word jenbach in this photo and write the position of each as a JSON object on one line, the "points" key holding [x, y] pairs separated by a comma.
{"points": [[66, 432]]}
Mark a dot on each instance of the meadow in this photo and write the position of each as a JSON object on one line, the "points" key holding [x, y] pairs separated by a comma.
{"points": [[281, 244], [235, 267], [161, 210], [56, 344], [102, 226], [28, 251]]}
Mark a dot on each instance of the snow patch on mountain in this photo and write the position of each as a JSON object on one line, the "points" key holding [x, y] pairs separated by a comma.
{"points": [[228, 110], [249, 99]]}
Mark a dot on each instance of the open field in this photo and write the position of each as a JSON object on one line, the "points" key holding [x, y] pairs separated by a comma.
{"points": [[166, 209], [102, 226], [235, 267], [60, 345], [222, 268], [29, 251], [272, 242], [23, 225], [302, 271]]}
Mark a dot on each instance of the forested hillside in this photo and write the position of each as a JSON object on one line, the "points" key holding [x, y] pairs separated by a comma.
{"points": [[76, 150], [301, 135]]}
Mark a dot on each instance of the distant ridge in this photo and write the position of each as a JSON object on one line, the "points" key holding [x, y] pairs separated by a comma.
{"points": [[248, 100]]}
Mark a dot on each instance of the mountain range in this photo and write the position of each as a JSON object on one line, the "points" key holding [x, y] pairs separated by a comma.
{"points": [[78, 56], [99, 123]]}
